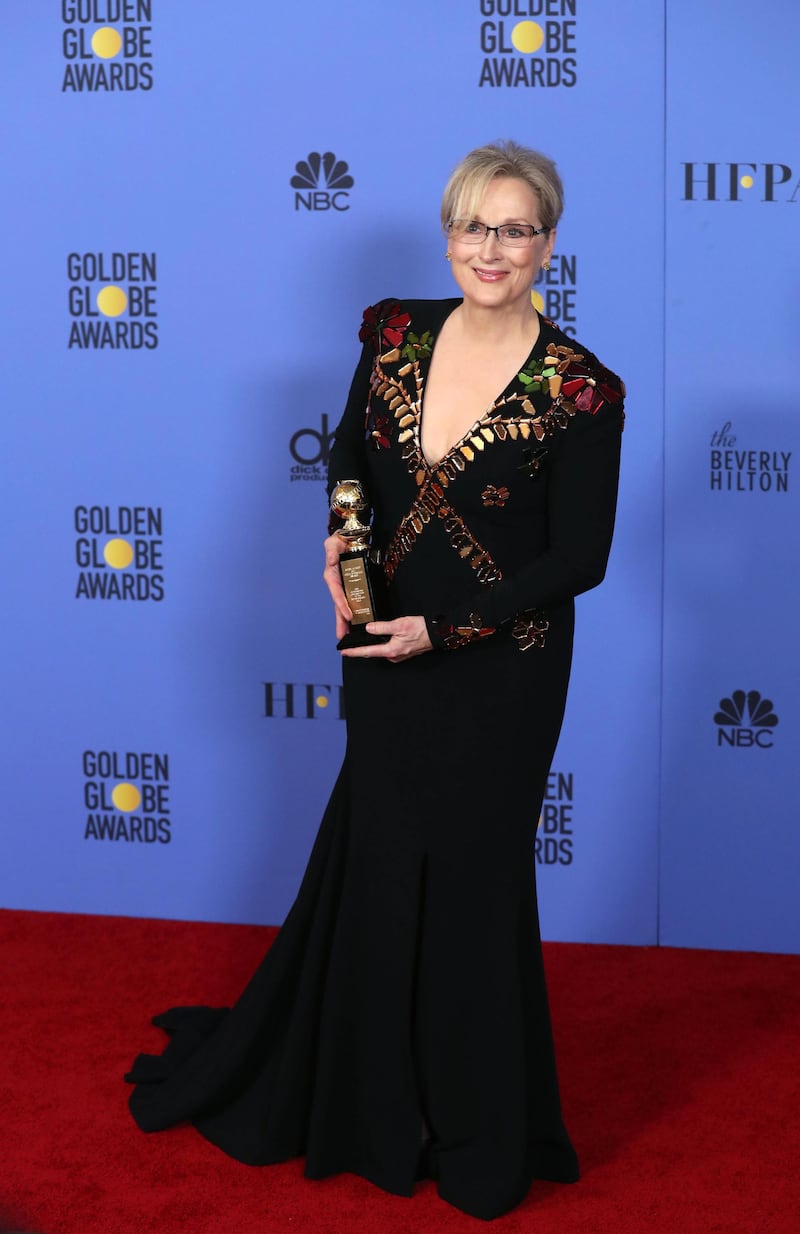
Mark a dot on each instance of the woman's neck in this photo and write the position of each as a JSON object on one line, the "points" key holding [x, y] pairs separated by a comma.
{"points": [[513, 322]]}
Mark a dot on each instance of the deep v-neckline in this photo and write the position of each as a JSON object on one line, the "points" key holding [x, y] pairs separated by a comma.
{"points": [[425, 368]]}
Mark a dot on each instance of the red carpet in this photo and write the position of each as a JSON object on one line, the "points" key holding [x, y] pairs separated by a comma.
{"points": [[679, 1075]]}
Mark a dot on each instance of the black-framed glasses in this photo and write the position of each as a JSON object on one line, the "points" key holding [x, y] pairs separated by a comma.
{"points": [[515, 235]]}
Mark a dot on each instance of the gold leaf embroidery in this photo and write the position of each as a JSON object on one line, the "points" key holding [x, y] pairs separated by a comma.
{"points": [[492, 496], [460, 636], [529, 629]]}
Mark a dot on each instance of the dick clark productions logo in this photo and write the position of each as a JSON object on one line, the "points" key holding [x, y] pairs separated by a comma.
{"points": [[745, 720], [321, 182], [310, 449]]}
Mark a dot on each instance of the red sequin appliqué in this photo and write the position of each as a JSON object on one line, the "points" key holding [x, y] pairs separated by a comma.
{"points": [[385, 325]]}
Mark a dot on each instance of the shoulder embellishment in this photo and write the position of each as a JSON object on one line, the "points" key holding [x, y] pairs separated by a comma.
{"points": [[576, 381], [585, 383], [385, 325]]}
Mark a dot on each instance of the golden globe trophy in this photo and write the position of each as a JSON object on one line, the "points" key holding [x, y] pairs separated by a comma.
{"points": [[362, 578]]}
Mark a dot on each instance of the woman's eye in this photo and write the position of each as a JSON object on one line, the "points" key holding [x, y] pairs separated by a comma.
{"points": [[473, 228]]}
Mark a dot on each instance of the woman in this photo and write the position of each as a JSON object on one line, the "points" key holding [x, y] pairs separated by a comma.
{"points": [[403, 1005]]}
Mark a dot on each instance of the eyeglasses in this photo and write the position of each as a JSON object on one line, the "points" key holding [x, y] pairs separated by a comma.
{"points": [[515, 235]]}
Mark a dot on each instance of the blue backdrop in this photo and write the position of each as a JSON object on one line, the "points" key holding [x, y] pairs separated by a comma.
{"points": [[181, 265]]}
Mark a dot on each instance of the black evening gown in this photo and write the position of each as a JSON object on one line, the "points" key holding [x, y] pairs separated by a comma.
{"points": [[407, 983]]}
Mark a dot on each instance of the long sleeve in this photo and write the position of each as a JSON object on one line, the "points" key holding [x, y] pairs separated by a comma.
{"points": [[580, 512], [348, 452]]}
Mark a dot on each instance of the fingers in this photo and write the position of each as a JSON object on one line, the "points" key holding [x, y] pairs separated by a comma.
{"points": [[408, 636], [340, 600], [385, 627], [334, 547], [393, 651]]}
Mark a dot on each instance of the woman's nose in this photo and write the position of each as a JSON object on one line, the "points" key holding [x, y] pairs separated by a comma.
{"points": [[490, 245]]}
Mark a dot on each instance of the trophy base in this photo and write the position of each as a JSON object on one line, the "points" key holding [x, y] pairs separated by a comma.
{"points": [[357, 636]]}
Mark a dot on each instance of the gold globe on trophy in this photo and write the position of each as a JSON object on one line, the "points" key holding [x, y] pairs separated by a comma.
{"points": [[362, 578]]}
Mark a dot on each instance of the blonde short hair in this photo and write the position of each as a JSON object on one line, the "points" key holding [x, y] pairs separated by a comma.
{"points": [[472, 177]]}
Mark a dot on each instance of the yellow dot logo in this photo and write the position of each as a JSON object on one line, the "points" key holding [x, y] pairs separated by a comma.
{"points": [[527, 36], [106, 42], [537, 300], [112, 301], [747, 182], [118, 554], [321, 700], [126, 797]]}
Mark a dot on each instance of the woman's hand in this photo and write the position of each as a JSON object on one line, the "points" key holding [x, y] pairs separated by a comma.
{"points": [[334, 547], [409, 637]]}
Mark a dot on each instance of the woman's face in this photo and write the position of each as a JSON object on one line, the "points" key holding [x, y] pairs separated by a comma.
{"points": [[495, 275]]}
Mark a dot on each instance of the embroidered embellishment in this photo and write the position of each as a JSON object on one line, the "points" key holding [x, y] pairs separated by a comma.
{"points": [[540, 377], [529, 629], [460, 636], [399, 401], [418, 348], [430, 503], [468, 548], [569, 380], [385, 325], [377, 427], [533, 461], [492, 496], [586, 384]]}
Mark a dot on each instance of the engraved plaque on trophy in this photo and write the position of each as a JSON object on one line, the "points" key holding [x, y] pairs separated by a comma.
{"points": [[362, 577]]}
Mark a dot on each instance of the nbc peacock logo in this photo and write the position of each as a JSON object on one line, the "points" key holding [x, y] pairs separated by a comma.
{"points": [[745, 720], [321, 182]]}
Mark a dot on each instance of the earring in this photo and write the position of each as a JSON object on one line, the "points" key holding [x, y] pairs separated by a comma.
{"points": [[545, 265], [447, 255]]}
